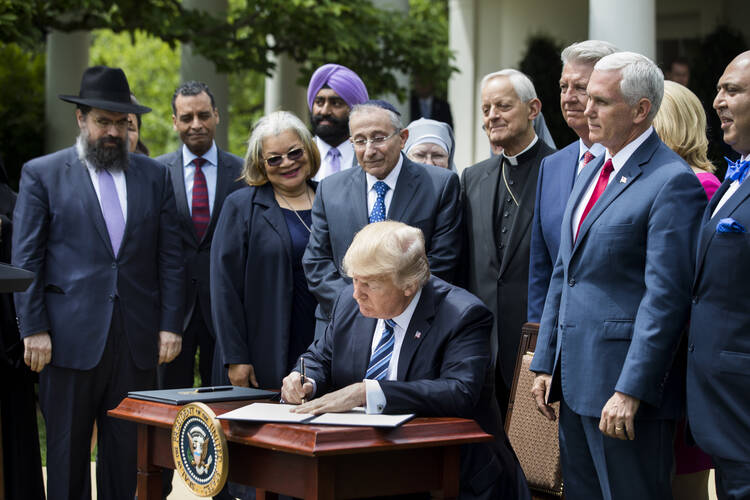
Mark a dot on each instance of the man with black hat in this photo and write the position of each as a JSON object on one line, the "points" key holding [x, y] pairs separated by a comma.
{"points": [[98, 226]]}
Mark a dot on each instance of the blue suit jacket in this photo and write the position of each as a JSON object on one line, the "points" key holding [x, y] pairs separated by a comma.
{"points": [[442, 373], [60, 235], [719, 342], [426, 197], [196, 252], [557, 173], [252, 283], [619, 295]]}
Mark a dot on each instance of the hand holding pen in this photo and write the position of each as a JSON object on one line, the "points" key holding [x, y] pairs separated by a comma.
{"points": [[303, 379]]}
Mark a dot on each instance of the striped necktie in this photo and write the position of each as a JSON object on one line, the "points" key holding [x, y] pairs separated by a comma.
{"points": [[381, 356]]}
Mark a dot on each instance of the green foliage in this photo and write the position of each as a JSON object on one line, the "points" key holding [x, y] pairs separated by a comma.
{"points": [[246, 98], [21, 108], [153, 71], [430, 23], [542, 64]]}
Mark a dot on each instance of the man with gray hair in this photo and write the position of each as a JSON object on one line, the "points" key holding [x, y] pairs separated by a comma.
{"points": [[401, 341], [620, 294], [387, 186], [499, 200], [558, 171]]}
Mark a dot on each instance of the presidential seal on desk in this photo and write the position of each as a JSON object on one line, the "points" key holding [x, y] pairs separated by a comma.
{"points": [[199, 449]]}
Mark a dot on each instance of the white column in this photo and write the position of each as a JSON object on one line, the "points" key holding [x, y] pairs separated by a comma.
{"points": [[67, 58], [195, 67], [629, 25], [282, 90], [462, 86], [402, 79]]}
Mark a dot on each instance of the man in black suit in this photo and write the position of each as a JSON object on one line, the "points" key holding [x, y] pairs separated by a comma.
{"points": [[499, 196], [199, 192], [98, 227], [401, 341], [387, 186]]}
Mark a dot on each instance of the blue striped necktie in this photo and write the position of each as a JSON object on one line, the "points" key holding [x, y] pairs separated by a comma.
{"points": [[381, 357]]}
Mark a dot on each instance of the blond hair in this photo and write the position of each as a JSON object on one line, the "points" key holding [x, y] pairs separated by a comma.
{"points": [[681, 124], [254, 170], [391, 249]]}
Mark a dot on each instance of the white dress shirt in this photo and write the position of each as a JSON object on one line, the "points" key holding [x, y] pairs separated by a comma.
{"points": [[347, 157], [118, 176], [209, 168], [375, 396], [618, 161], [596, 149], [390, 179], [733, 187]]}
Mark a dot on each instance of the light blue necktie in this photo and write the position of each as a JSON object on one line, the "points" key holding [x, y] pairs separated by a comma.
{"points": [[378, 209], [381, 357], [111, 209]]}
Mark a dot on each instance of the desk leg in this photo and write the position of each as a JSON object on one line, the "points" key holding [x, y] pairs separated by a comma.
{"points": [[321, 481], [149, 475], [265, 495], [451, 471]]}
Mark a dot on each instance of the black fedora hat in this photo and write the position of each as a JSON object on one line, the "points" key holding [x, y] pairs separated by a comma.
{"points": [[105, 88]]}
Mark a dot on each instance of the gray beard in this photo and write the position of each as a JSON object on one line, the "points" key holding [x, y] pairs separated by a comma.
{"points": [[100, 156]]}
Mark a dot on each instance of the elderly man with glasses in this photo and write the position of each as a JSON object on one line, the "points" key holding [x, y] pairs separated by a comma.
{"points": [[387, 186]]}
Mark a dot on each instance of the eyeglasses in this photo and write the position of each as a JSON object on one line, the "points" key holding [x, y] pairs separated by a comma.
{"points": [[293, 155], [105, 123], [375, 141]]}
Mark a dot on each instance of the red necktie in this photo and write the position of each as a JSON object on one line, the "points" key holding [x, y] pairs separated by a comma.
{"points": [[601, 185], [201, 214], [587, 157]]}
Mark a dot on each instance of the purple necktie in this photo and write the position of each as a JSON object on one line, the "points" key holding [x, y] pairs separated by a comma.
{"points": [[335, 156], [111, 209]]}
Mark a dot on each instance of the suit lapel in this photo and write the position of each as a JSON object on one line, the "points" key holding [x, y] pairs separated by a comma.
{"points": [[586, 177], [420, 323], [177, 173], [488, 191], [274, 216], [406, 187], [357, 194], [363, 330], [135, 202], [88, 198], [223, 182]]}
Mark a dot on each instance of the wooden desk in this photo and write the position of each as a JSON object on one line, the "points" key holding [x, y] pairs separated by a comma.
{"points": [[313, 462]]}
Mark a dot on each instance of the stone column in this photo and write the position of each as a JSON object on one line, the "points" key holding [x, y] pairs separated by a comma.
{"points": [[463, 92], [196, 67], [282, 90], [67, 59], [629, 25]]}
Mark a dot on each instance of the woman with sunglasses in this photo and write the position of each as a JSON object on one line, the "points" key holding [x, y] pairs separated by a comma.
{"points": [[263, 313]]}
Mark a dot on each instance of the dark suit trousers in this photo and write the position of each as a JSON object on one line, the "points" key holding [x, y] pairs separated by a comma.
{"points": [[71, 400], [179, 372], [732, 479], [597, 466]]}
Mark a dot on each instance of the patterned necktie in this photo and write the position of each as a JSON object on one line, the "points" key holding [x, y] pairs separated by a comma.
{"points": [[201, 214], [738, 170], [587, 157], [378, 209], [381, 356], [334, 156], [601, 185], [111, 209]]}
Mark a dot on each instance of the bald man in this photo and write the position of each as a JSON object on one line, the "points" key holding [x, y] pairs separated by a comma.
{"points": [[719, 351]]}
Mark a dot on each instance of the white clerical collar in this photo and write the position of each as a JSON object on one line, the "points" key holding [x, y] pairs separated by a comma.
{"points": [[403, 319], [211, 156], [513, 160], [390, 179], [622, 156]]}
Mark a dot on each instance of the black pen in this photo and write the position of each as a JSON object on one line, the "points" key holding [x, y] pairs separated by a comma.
{"points": [[215, 389], [302, 370]]}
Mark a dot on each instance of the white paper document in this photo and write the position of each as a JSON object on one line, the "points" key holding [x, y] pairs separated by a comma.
{"points": [[269, 412]]}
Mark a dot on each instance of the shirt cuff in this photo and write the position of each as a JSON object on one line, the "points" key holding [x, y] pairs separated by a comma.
{"points": [[375, 397]]}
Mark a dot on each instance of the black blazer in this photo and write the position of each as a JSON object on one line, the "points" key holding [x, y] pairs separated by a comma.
{"points": [[196, 252], [252, 284], [443, 372], [441, 110]]}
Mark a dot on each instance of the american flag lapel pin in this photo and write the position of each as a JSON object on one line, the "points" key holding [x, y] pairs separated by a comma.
{"points": [[623, 179], [418, 335]]}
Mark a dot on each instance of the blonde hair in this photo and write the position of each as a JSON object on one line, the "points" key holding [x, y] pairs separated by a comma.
{"points": [[389, 248], [254, 171], [681, 124]]}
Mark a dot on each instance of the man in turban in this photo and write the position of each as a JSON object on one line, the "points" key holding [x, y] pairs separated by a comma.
{"points": [[332, 92]]}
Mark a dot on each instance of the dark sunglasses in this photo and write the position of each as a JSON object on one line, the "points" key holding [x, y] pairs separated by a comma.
{"points": [[293, 155]]}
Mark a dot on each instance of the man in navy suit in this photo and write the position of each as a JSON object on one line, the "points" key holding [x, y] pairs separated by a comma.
{"points": [[619, 295], [199, 192], [387, 186], [98, 226], [400, 341], [558, 170], [719, 343]]}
